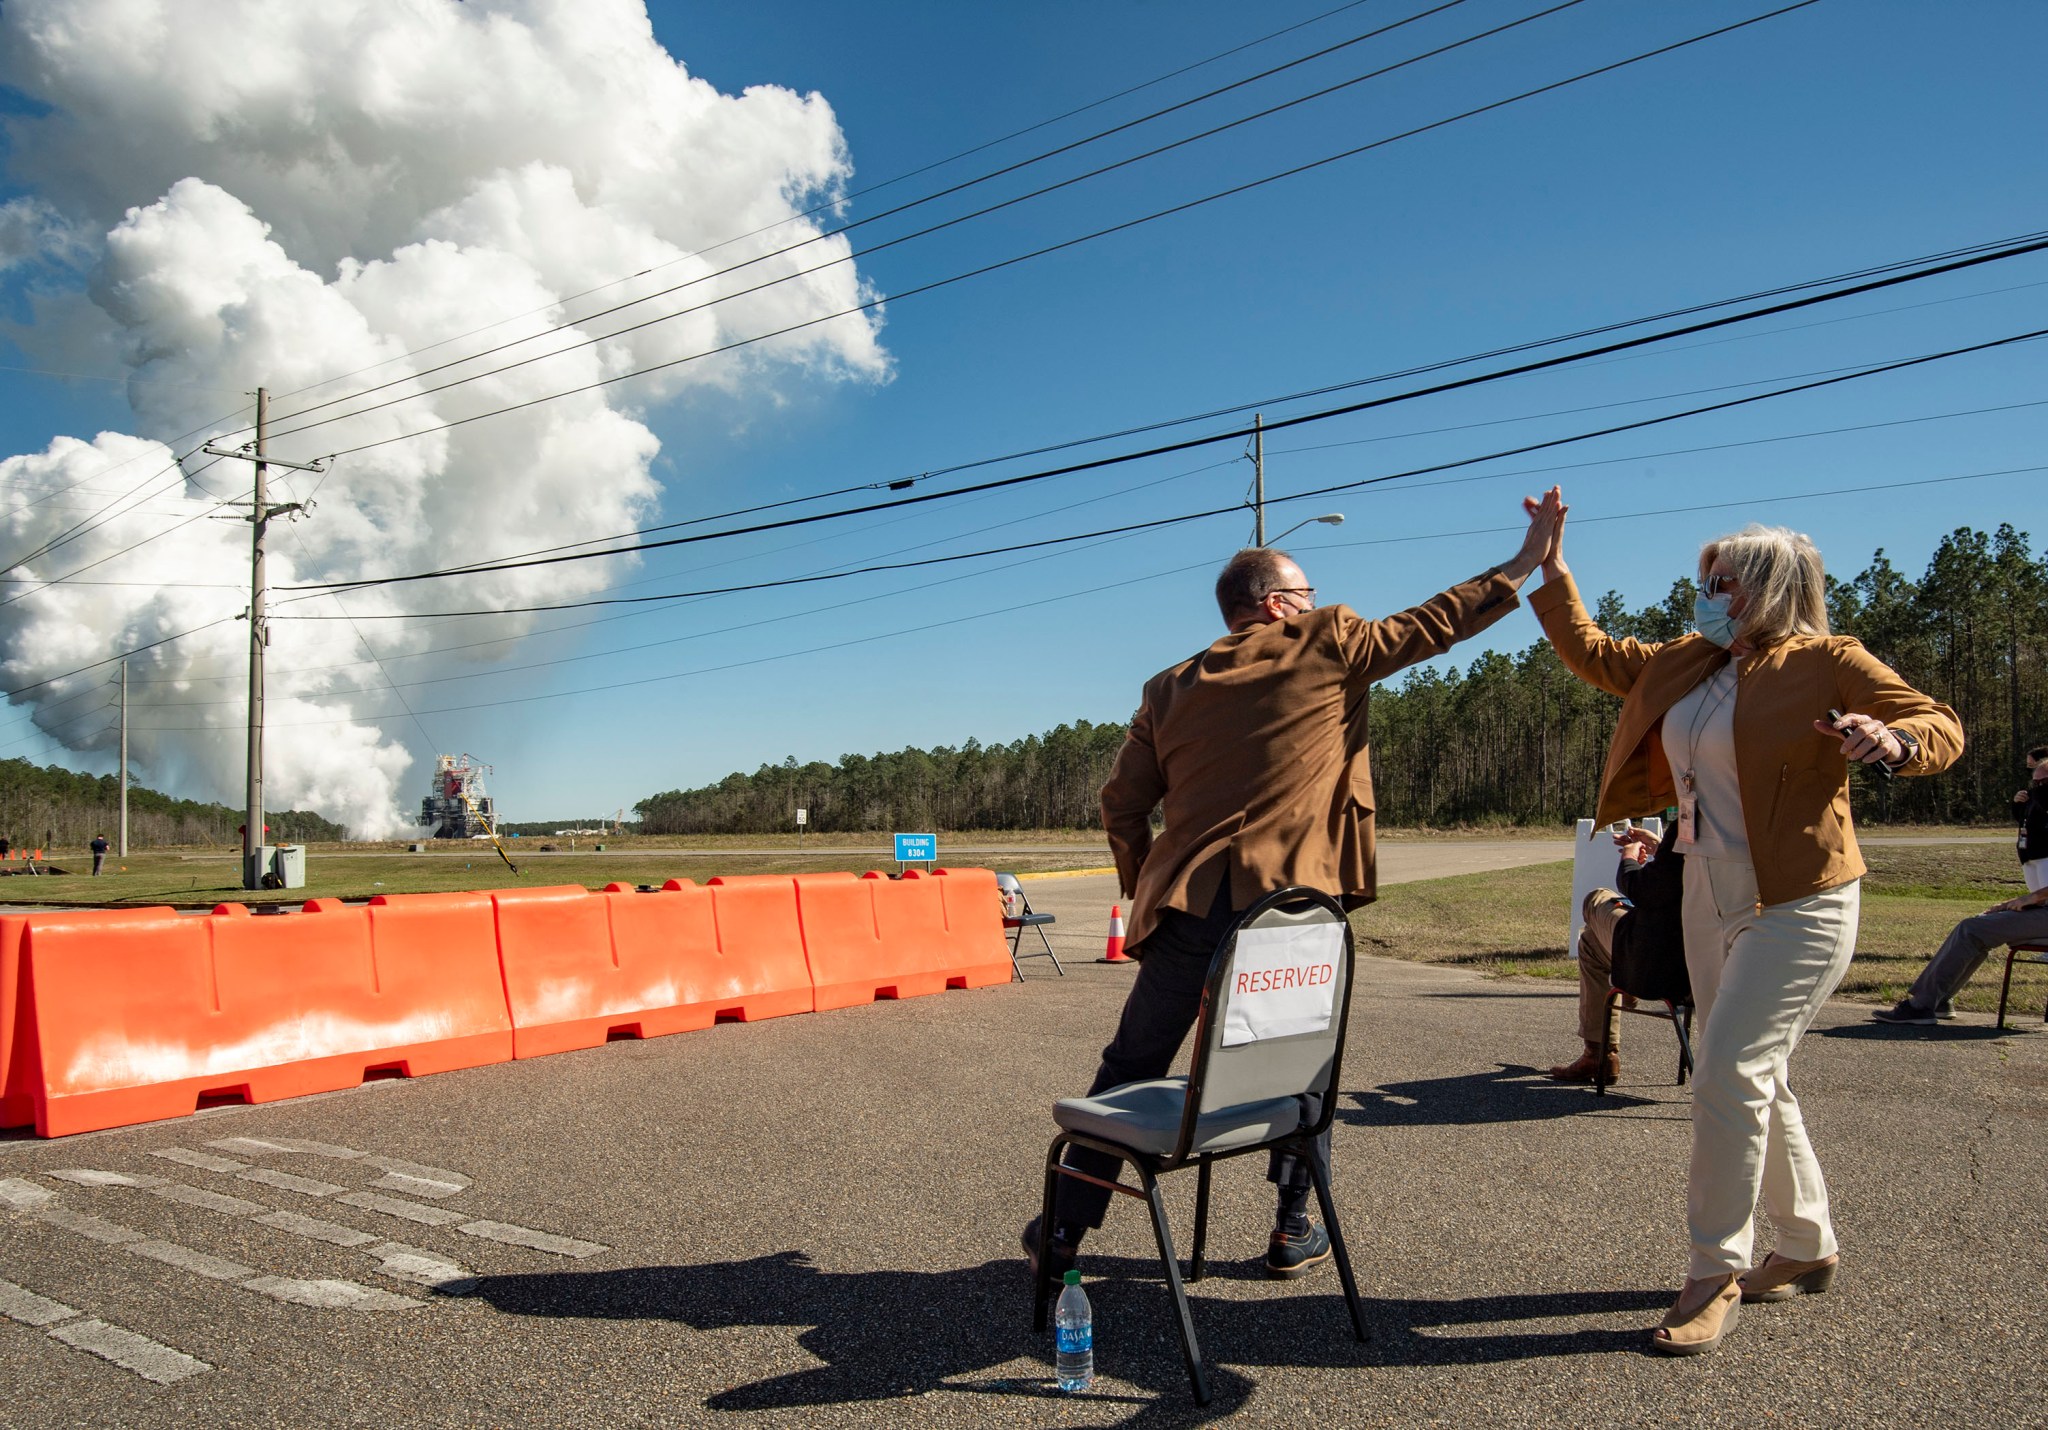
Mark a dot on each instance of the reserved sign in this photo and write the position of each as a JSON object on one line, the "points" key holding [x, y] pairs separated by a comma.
{"points": [[1283, 982]]}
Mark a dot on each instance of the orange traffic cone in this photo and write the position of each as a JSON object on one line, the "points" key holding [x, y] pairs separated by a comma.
{"points": [[1115, 952]]}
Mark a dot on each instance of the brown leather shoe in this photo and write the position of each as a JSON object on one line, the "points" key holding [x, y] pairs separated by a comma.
{"points": [[1781, 1278], [1705, 1313], [1587, 1064]]}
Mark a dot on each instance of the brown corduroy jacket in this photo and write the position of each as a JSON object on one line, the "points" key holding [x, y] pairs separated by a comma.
{"points": [[1793, 779], [1256, 749]]}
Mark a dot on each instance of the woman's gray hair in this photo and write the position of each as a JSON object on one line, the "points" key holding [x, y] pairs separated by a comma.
{"points": [[1780, 573]]}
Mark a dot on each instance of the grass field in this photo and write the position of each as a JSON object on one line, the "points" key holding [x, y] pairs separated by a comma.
{"points": [[1507, 923]]}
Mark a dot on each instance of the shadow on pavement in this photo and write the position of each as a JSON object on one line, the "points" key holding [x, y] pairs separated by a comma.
{"points": [[1910, 1033], [1509, 1093], [887, 1335]]}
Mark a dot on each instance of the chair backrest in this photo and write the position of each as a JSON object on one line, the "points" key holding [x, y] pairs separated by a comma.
{"points": [[1015, 903], [1276, 1008]]}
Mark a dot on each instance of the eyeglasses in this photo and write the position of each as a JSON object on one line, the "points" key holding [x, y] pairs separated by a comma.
{"points": [[1719, 585], [1308, 593]]}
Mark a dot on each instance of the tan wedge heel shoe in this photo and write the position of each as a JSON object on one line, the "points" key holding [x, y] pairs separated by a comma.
{"points": [[1705, 1313], [1781, 1278]]}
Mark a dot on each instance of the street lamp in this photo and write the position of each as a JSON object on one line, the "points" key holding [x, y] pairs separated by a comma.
{"points": [[1334, 518]]}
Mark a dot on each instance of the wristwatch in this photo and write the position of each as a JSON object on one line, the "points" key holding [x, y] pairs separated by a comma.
{"points": [[1908, 745]]}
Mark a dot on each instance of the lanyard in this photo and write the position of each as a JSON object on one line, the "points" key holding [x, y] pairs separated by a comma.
{"points": [[1702, 716]]}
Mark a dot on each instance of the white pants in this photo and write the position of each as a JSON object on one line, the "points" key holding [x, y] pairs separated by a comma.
{"points": [[1759, 975], [2035, 872]]}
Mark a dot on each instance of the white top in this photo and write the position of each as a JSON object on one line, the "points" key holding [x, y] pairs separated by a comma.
{"points": [[1699, 736]]}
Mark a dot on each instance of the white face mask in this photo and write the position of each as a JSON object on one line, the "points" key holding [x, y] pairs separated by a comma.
{"points": [[1710, 615]]}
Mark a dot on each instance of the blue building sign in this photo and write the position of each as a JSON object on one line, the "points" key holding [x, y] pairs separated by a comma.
{"points": [[917, 848]]}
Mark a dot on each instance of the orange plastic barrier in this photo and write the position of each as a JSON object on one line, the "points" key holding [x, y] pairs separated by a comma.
{"points": [[876, 937], [17, 1031], [582, 968], [144, 1014]]}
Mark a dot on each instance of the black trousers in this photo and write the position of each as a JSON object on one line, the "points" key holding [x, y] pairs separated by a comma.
{"points": [[1163, 1005]]}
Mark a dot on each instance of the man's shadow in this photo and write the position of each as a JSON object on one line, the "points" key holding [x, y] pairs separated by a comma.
{"points": [[1509, 1092], [885, 1335]]}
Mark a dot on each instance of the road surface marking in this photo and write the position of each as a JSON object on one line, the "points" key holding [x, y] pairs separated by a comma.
{"points": [[304, 1185], [314, 1229], [147, 1358], [425, 1268], [18, 1303], [86, 1224], [399, 1207], [526, 1236], [94, 1177], [186, 1259], [22, 1196], [212, 1201], [200, 1160], [329, 1295]]}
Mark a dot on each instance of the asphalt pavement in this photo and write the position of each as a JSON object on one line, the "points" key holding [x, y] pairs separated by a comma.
{"points": [[812, 1220]]}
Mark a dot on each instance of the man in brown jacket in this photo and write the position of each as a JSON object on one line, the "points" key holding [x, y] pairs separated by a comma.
{"points": [[1255, 749]]}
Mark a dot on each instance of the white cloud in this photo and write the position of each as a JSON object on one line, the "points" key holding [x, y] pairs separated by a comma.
{"points": [[287, 193]]}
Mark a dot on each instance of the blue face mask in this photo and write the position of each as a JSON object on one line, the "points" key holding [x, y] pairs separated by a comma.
{"points": [[1710, 614]]}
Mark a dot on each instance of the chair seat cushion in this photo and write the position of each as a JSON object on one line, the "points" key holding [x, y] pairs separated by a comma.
{"points": [[1145, 1116]]}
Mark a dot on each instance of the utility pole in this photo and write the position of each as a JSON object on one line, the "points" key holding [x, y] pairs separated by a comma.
{"points": [[1258, 479], [121, 848], [260, 513]]}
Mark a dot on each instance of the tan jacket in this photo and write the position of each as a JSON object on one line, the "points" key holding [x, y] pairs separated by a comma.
{"points": [[1794, 780], [1256, 748]]}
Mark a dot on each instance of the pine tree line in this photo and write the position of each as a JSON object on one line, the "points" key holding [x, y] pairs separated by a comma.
{"points": [[1514, 738], [47, 807]]}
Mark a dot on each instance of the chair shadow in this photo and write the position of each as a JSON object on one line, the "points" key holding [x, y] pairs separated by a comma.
{"points": [[886, 1335], [1509, 1093], [1910, 1033]]}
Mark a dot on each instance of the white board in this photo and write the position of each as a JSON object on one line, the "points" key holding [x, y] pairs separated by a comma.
{"points": [[1596, 864], [1283, 982]]}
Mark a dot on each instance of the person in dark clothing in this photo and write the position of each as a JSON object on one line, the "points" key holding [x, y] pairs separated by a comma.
{"points": [[1626, 929], [2030, 808], [99, 852]]}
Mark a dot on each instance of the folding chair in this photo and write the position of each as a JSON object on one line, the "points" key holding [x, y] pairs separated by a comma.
{"points": [[1270, 1035], [1678, 1015], [2033, 952], [1017, 917]]}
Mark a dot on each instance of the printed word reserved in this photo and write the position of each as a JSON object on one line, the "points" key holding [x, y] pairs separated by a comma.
{"points": [[1283, 982]]}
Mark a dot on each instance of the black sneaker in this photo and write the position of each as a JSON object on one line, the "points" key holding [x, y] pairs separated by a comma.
{"points": [[1904, 1011], [1063, 1256], [1290, 1256], [1945, 1010]]}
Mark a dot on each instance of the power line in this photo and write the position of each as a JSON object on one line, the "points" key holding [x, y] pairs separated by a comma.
{"points": [[1041, 252], [833, 203], [1099, 586], [112, 659], [1187, 444], [887, 213], [1722, 406]]}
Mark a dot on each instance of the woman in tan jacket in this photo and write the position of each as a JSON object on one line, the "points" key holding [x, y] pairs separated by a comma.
{"points": [[1748, 727]]}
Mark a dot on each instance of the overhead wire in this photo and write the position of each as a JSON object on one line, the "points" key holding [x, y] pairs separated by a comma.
{"points": [[1016, 259], [1096, 587], [1750, 399], [1187, 444], [832, 203], [848, 227]]}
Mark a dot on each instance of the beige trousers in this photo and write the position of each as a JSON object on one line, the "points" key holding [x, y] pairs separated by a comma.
{"points": [[1759, 976], [1603, 910]]}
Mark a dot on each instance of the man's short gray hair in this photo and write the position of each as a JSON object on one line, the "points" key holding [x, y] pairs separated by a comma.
{"points": [[1247, 579]]}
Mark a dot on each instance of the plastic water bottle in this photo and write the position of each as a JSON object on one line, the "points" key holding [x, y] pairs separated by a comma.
{"points": [[1074, 1335]]}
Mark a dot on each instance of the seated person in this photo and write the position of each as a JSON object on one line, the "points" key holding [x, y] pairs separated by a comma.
{"points": [[2020, 920], [1625, 928]]}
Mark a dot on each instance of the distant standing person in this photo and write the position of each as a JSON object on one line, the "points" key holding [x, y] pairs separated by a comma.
{"points": [[99, 852], [2029, 807], [6, 847], [1749, 727]]}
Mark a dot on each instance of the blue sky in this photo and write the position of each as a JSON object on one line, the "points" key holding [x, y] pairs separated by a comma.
{"points": [[1838, 136]]}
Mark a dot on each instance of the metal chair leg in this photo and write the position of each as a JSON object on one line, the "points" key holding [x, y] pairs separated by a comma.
{"points": [[2005, 988], [1681, 1020], [1041, 1281], [1201, 1220], [1056, 968], [1190, 1348], [1321, 1175]]}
